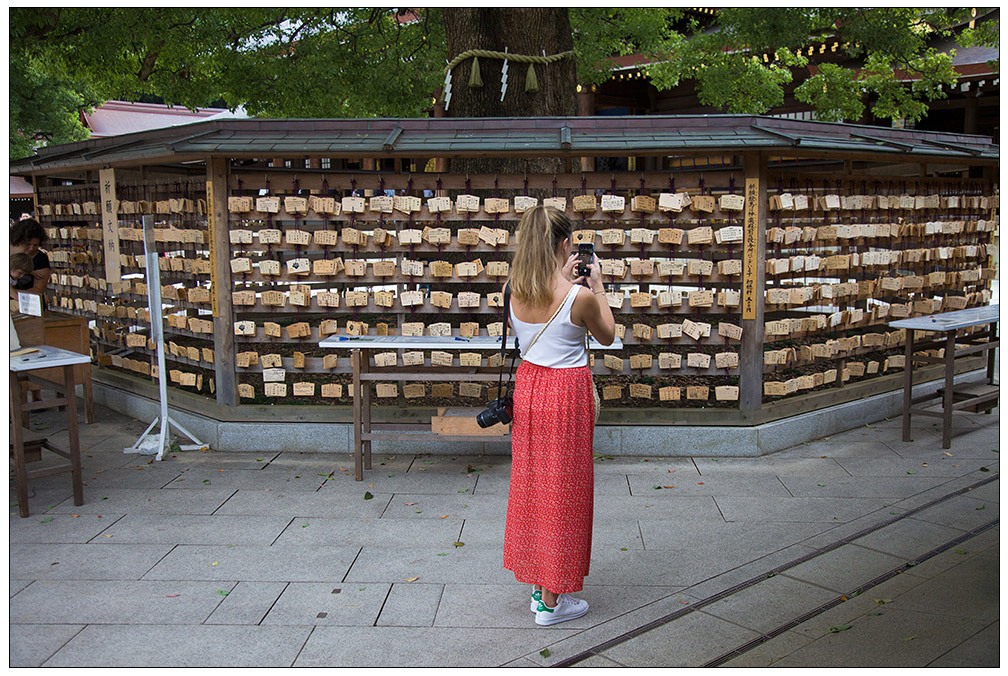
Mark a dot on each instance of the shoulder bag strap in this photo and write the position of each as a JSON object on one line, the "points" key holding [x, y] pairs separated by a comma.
{"points": [[547, 324]]}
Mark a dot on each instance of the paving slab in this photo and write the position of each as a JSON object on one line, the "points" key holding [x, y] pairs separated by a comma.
{"points": [[741, 541], [192, 529], [962, 512], [895, 638], [247, 603], [140, 500], [796, 510], [686, 642], [908, 538], [362, 532], [286, 480], [164, 645], [982, 649], [768, 653], [832, 447], [771, 465], [845, 568], [83, 562], [859, 487], [443, 506], [60, 528], [441, 564], [31, 645], [420, 646], [673, 484], [970, 590], [942, 466], [770, 603], [319, 604], [116, 602], [320, 562], [411, 604], [134, 475], [282, 503]]}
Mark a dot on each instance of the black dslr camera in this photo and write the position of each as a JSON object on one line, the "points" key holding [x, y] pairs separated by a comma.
{"points": [[500, 410]]}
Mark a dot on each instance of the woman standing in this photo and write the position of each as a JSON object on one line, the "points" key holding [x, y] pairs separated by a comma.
{"points": [[547, 536]]}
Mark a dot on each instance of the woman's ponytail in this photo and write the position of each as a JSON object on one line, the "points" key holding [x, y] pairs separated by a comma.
{"points": [[540, 231]]}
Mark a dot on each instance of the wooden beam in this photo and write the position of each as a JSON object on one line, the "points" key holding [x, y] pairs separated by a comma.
{"points": [[220, 247], [751, 351]]}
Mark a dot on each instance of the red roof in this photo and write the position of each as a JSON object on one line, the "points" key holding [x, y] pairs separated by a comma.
{"points": [[123, 117]]}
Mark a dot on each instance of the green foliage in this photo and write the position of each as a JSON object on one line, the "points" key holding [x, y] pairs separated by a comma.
{"points": [[364, 62]]}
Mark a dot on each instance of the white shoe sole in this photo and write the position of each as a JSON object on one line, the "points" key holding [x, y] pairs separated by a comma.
{"points": [[552, 619]]}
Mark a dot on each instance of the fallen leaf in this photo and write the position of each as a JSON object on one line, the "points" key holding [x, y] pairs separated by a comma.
{"points": [[657, 488], [948, 454], [882, 602], [459, 544], [171, 596], [699, 483], [443, 554], [923, 464], [48, 519], [909, 638], [982, 507], [623, 549], [215, 563], [544, 652], [410, 504], [960, 552], [367, 495], [669, 486], [984, 469], [76, 516], [223, 592], [108, 535], [820, 484], [304, 525], [411, 579], [841, 627], [443, 517], [464, 490], [911, 471], [876, 612]]}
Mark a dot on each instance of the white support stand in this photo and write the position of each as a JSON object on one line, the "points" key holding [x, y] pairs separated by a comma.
{"points": [[155, 444]]}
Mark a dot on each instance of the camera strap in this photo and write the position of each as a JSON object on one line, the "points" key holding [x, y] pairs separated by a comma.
{"points": [[514, 355]]}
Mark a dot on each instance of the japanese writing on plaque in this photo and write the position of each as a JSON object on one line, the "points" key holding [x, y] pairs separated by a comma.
{"points": [[110, 224], [750, 247]]}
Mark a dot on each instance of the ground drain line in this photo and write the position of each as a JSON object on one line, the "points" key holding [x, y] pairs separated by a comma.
{"points": [[724, 593], [746, 647]]}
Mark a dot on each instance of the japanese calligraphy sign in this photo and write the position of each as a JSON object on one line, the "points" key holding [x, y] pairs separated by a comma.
{"points": [[750, 248], [110, 224]]}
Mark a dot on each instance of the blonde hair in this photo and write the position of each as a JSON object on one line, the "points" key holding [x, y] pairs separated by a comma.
{"points": [[540, 231]]}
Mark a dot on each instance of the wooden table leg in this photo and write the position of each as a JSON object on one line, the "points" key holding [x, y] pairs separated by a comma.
{"points": [[356, 393], [948, 399], [70, 388], [89, 416], [908, 383], [17, 438], [366, 410], [990, 354]]}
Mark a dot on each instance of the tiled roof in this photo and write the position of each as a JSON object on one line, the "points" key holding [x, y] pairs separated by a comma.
{"points": [[503, 137]]}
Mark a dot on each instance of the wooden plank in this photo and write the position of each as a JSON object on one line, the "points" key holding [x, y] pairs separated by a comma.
{"points": [[465, 426], [223, 320]]}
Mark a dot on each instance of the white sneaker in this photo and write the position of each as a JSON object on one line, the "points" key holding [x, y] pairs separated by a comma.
{"points": [[567, 608], [536, 598]]}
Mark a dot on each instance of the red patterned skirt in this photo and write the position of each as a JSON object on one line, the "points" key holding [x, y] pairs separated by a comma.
{"points": [[547, 535]]}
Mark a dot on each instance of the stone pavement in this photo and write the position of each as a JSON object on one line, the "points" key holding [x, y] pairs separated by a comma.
{"points": [[800, 558]]}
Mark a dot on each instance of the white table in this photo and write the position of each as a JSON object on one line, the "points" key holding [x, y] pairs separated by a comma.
{"points": [[21, 368], [360, 347], [952, 400]]}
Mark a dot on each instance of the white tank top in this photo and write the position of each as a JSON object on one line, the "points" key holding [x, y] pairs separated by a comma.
{"points": [[562, 344]]}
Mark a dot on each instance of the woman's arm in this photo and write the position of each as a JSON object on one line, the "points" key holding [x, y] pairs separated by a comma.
{"points": [[591, 309], [41, 280]]}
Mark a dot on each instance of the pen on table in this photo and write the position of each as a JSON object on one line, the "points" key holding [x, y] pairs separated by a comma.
{"points": [[461, 338]]}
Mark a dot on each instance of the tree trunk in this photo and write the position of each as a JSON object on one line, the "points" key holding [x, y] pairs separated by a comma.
{"points": [[526, 31]]}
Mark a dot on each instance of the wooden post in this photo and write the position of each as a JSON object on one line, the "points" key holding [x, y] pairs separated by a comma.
{"points": [[753, 286], [221, 286], [908, 366]]}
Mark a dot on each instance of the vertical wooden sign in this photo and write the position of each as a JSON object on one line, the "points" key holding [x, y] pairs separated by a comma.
{"points": [[213, 249], [110, 224], [750, 248]]}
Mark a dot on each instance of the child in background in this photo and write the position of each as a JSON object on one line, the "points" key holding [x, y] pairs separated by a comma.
{"points": [[21, 269]]}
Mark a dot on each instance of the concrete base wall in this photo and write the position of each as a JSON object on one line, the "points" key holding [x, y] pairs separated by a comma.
{"points": [[627, 440]]}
